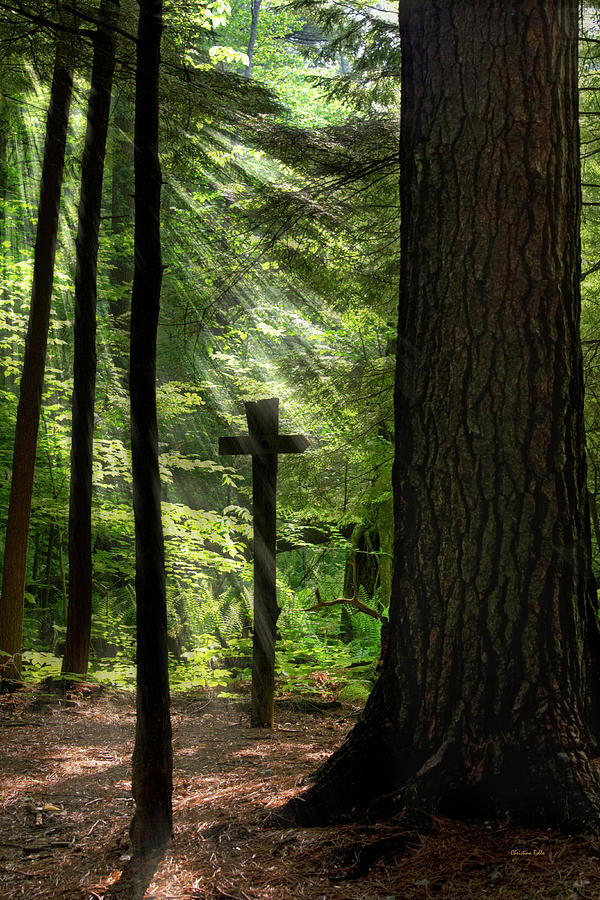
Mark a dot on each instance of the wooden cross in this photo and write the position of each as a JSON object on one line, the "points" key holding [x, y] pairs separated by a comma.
{"points": [[263, 442]]}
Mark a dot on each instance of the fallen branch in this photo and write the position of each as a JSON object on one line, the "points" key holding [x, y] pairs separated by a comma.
{"points": [[20, 724], [349, 601]]}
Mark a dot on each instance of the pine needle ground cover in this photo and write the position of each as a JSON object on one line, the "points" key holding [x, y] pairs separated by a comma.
{"points": [[66, 802]]}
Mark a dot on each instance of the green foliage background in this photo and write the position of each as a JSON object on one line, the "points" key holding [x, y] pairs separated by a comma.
{"points": [[281, 249]]}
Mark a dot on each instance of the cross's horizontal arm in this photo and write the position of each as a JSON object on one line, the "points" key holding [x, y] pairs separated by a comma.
{"points": [[263, 445]]}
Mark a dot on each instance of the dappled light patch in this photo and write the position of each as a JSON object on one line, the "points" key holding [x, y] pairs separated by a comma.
{"points": [[66, 808]]}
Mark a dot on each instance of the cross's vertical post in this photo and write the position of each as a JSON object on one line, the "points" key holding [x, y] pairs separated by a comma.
{"points": [[263, 422], [264, 443]]}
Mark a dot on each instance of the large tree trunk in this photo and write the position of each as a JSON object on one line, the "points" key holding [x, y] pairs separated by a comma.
{"points": [[32, 378], [79, 617], [488, 702], [152, 757]]}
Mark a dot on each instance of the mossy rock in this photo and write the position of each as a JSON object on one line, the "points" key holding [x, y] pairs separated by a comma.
{"points": [[356, 692]]}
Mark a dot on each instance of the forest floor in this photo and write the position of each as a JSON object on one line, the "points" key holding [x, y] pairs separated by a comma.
{"points": [[65, 795]]}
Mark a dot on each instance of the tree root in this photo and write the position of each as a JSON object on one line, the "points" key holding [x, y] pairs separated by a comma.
{"points": [[541, 785]]}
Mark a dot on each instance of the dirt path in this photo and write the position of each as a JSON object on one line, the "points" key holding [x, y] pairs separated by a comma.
{"points": [[66, 807]]}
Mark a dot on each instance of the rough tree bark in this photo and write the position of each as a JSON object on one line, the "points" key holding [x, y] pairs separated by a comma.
{"points": [[32, 378], [488, 702], [152, 756], [79, 616]]}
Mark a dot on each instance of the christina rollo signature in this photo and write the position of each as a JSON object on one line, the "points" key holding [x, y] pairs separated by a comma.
{"points": [[532, 852]]}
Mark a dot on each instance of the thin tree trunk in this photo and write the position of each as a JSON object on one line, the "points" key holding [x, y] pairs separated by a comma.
{"points": [[594, 515], [30, 395], [254, 11], [5, 128], [63, 574], [152, 758], [488, 702], [46, 633], [79, 617], [35, 566], [121, 272]]}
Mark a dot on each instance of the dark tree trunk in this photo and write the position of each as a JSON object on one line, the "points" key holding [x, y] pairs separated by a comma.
{"points": [[152, 757], [366, 556], [362, 570], [32, 378], [79, 616], [488, 702]]}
